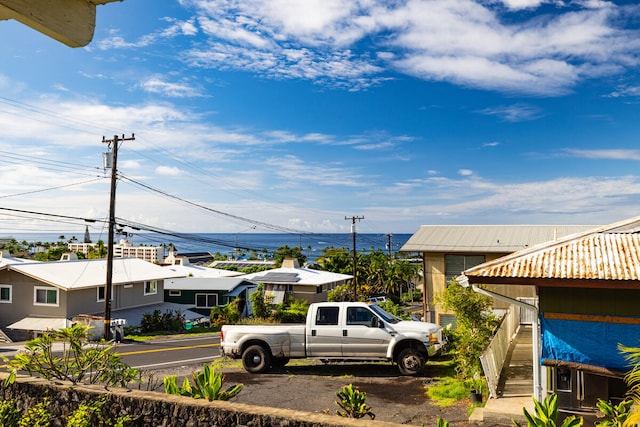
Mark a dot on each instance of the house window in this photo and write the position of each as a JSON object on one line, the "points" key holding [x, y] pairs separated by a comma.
{"points": [[151, 287], [45, 296], [173, 293], [101, 291], [5, 293], [456, 264], [206, 300]]}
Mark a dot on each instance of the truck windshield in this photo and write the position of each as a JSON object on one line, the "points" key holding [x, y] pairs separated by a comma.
{"points": [[387, 317]]}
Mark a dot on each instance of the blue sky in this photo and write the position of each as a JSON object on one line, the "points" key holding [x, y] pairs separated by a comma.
{"points": [[270, 114]]}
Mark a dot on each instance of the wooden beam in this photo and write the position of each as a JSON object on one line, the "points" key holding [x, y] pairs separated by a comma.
{"points": [[71, 22]]}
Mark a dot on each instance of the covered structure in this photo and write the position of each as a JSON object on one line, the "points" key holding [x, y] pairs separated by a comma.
{"points": [[588, 285], [71, 22]]}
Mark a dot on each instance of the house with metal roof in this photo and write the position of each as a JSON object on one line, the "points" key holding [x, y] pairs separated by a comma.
{"points": [[588, 285], [205, 293], [448, 250], [46, 295], [298, 282]]}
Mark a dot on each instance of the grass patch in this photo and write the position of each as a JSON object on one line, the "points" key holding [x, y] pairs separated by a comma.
{"points": [[448, 391]]}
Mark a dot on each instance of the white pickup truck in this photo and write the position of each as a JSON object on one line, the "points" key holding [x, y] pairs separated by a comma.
{"points": [[335, 331]]}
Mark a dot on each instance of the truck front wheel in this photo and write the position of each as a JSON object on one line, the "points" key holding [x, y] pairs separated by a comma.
{"points": [[410, 361], [256, 359]]}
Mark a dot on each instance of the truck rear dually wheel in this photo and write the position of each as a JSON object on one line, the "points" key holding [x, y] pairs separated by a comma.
{"points": [[410, 361], [256, 359]]}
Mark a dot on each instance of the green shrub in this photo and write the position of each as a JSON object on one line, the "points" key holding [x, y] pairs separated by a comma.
{"points": [[9, 413], [37, 415], [78, 362]]}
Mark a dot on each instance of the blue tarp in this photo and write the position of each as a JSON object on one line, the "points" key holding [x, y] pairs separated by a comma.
{"points": [[590, 343]]}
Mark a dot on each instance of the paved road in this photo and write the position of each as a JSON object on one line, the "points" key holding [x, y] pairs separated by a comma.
{"points": [[163, 353]]}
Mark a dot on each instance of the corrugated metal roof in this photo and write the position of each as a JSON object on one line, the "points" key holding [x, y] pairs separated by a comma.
{"points": [[485, 238], [611, 252], [91, 273]]}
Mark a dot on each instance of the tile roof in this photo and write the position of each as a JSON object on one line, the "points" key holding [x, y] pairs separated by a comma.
{"points": [[610, 252]]}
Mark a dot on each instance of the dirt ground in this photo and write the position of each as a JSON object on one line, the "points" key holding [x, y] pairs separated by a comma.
{"points": [[313, 388]]}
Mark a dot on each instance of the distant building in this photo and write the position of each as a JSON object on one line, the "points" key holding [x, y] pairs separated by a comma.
{"points": [[125, 249], [81, 247]]}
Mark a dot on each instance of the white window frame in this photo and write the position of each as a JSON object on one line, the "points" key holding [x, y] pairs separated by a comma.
{"points": [[175, 293], [207, 295], [150, 287], [10, 300], [46, 289], [98, 299]]}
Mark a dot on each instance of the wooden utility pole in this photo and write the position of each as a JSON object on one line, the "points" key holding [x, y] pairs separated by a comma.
{"points": [[355, 255], [113, 145]]}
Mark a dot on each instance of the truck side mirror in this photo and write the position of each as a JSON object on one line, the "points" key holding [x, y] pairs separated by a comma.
{"points": [[375, 322]]}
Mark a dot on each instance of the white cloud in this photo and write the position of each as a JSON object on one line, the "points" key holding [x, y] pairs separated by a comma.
{"points": [[155, 84], [513, 113], [168, 171], [605, 154], [466, 42]]}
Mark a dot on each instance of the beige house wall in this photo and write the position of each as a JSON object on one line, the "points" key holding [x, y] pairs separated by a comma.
{"points": [[436, 285]]}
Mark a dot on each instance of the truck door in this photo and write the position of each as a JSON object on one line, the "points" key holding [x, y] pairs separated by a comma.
{"points": [[362, 336], [324, 334]]}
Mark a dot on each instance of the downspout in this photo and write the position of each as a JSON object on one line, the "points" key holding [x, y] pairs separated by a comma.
{"points": [[537, 370]]}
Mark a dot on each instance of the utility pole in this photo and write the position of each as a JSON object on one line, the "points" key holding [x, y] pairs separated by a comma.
{"points": [[113, 145], [355, 259], [390, 244]]}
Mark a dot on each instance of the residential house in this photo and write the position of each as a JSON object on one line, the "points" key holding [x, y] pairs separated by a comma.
{"points": [[37, 296], [588, 285], [448, 250], [206, 293], [203, 287], [301, 283]]}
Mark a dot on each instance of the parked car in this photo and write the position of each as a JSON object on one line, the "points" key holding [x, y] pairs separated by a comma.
{"points": [[335, 331]]}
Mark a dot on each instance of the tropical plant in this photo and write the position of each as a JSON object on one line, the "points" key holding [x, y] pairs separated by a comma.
{"points": [[207, 384], [293, 311], [261, 303], [352, 402], [78, 362], [475, 325], [633, 380], [546, 414], [616, 415], [227, 314], [286, 252], [442, 423]]}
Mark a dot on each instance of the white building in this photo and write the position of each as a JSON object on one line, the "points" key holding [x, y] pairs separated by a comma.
{"points": [[125, 249]]}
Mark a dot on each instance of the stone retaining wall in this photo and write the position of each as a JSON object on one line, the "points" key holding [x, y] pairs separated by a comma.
{"points": [[163, 410]]}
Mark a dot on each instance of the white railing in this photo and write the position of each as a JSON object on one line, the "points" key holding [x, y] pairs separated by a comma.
{"points": [[494, 355]]}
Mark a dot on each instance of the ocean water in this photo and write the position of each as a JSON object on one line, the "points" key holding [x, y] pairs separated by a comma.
{"points": [[237, 243]]}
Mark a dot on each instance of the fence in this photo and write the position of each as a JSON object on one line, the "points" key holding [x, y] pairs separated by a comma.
{"points": [[494, 355]]}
